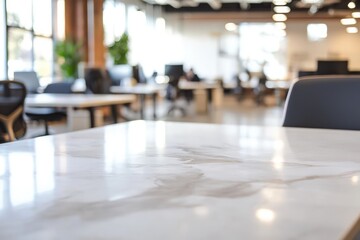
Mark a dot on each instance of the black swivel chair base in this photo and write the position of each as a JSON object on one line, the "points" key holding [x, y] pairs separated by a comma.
{"points": [[174, 108], [45, 115], [46, 129]]}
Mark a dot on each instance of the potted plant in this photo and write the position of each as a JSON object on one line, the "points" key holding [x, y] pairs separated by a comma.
{"points": [[119, 50], [121, 72], [68, 56]]}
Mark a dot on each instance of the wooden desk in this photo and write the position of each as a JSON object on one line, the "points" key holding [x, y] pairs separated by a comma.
{"points": [[279, 87], [71, 101], [167, 180], [141, 90], [200, 89]]}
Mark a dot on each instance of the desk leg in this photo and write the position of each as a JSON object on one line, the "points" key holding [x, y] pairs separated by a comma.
{"points": [[70, 118], [154, 96], [92, 116], [217, 97], [142, 105], [201, 100], [114, 113]]}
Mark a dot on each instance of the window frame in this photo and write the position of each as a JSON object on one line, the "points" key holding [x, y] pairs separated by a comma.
{"points": [[34, 35]]}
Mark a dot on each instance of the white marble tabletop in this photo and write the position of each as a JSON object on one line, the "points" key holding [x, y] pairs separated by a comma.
{"points": [[163, 180]]}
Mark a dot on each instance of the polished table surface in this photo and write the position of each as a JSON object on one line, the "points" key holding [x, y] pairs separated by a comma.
{"points": [[163, 180]]}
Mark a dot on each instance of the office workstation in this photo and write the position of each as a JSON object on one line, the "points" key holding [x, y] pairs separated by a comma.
{"points": [[78, 101], [179, 119]]}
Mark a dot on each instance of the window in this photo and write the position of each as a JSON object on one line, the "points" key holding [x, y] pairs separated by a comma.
{"points": [[140, 21], [316, 32], [263, 48], [30, 36], [60, 19], [19, 50], [137, 33], [114, 18], [2, 41]]}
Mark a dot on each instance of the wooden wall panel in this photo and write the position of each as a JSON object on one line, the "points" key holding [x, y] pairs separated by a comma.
{"points": [[84, 23], [98, 38]]}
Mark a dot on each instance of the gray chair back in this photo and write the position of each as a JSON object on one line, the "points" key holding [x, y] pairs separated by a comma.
{"points": [[59, 87], [324, 102], [30, 79]]}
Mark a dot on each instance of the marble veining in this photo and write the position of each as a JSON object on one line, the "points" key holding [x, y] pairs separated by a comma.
{"points": [[162, 180]]}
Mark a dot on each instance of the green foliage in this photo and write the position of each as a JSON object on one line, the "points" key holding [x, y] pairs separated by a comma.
{"points": [[120, 49], [69, 56]]}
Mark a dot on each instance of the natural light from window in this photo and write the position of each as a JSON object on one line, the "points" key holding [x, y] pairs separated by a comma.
{"points": [[30, 43], [114, 18], [263, 48], [2, 41], [60, 21], [316, 31]]}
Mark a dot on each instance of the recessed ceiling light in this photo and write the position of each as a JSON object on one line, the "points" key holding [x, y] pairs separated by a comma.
{"points": [[312, 1], [279, 17], [231, 27], [348, 21], [280, 25], [279, 2], [282, 9], [351, 5], [352, 29], [356, 14]]}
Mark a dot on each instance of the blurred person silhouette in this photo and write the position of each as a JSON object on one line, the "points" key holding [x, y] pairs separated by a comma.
{"points": [[190, 76]]}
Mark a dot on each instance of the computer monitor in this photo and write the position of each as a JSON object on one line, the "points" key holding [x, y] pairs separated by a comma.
{"points": [[174, 71], [325, 67], [119, 74]]}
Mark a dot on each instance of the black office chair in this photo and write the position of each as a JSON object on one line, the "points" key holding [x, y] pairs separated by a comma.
{"points": [[138, 74], [173, 95], [47, 115], [98, 82], [324, 102], [12, 97]]}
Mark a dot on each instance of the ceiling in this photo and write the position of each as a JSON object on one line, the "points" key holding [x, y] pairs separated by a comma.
{"points": [[311, 7]]}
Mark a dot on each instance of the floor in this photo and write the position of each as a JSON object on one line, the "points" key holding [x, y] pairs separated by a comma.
{"points": [[244, 112]]}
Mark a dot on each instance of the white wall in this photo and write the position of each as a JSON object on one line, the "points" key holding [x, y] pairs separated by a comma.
{"points": [[339, 44], [199, 46]]}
